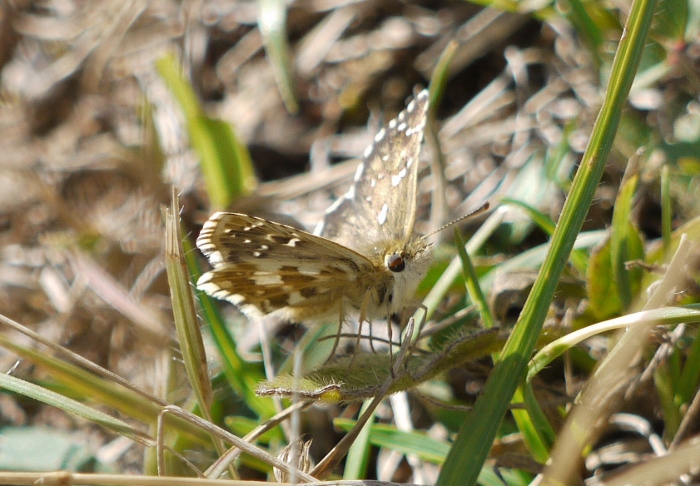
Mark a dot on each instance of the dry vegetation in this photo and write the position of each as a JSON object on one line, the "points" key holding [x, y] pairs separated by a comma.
{"points": [[92, 138]]}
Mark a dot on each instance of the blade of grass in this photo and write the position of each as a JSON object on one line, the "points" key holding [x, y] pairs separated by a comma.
{"points": [[438, 291], [91, 382], [471, 281], [225, 161], [71, 406], [441, 74], [271, 22], [357, 460], [662, 316], [472, 444], [578, 257], [625, 243], [665, 385], [427, 448], [184, 312], [527, 427], [666, 207], [690, 374]]}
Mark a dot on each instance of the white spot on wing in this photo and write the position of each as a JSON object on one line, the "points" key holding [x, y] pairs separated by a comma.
{"points": [[379, 136], [402, 127], [331, 209], [267, 280], [203, 280], [351, 193], [381, 217], [216, 258], [310, 271], [293, 242], [418, 128], [295, 298], [235, 299], [267, 267], [361, 167], [395, 180]]}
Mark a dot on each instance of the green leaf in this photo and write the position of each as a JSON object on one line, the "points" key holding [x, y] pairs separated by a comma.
{"points": [[625, 244], [602, 293]]}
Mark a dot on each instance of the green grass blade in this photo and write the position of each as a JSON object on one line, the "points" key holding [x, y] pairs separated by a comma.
{"points": [[666, 207], [271, 22], [625, 244], [71, 406], [612, 377], [357, 460], [690, 374], [186, 322], [441, 74], [471, 281], [426, 448], [663, 316], [226, 164], [579, 258]]}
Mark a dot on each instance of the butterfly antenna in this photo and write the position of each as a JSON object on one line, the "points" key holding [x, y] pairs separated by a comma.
{"points": [[481, 209]]}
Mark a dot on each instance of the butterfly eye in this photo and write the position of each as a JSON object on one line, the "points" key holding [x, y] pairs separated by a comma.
{"points": [[396, 263]]}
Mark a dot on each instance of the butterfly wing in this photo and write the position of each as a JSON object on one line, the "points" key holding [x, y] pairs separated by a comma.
{"points": [[263, 267], [381, 204]]}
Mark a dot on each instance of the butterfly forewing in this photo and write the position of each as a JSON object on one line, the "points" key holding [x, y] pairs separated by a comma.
{"points": [[262, 266], [381, 204]]}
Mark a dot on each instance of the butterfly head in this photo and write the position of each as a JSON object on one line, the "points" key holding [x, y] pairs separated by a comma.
{"points": [[405, 263]]}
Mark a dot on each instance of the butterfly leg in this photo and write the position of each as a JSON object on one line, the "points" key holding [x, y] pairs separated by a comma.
{"points": [[412, 334], [390, 338], [360, 321], [403, 355], [341, 320]]}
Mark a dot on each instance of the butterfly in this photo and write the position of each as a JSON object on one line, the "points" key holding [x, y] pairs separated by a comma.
{"points": [[364, 256]]}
